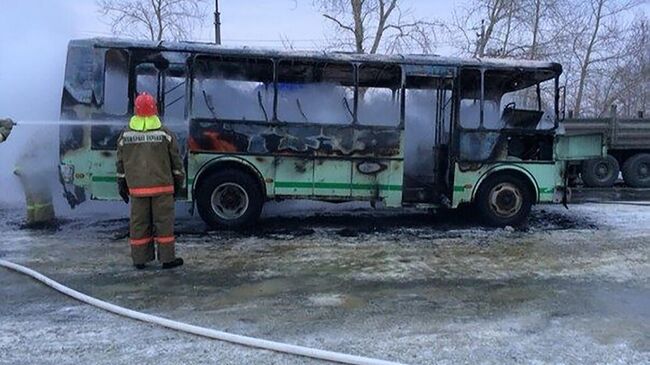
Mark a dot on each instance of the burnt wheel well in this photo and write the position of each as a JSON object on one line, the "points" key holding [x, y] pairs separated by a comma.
{"points": [[511, 172], [229, 166]]}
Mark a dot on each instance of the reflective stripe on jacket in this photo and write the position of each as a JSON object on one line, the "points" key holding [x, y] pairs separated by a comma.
{"points": [[149, 160]]}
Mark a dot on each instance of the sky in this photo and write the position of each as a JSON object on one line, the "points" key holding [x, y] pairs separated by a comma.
{"points": [[260, 22], [32, 54]]}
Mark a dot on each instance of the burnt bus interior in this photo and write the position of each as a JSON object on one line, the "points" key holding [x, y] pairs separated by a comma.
{"points": [[507, 114], [312, 109]]}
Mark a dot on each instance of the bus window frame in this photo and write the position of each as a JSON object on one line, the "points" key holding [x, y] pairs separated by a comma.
{"points": [[191, 74], [168, 73], [481, 127], [322, 64], [401, 94], [129, 76], [94, 126], [274, 121]]}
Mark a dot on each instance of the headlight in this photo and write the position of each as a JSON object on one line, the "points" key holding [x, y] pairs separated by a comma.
{"points": [[67, 173]]}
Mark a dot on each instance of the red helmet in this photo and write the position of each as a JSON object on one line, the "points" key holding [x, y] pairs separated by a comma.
{"points": [[145, 105]]}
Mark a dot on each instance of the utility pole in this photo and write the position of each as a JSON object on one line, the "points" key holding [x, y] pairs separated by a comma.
{"points": [[217, 23]]}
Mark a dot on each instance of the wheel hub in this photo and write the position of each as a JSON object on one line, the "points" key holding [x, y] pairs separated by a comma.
{"points": [[644, 171], [602, 170], [229, 201], [506, 200]]}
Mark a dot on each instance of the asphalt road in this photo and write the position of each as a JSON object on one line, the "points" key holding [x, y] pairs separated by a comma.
{"points": [[573, 287]]}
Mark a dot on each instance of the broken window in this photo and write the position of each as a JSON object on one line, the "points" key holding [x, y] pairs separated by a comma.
{"points": [[174, 95], [379, 95], [116, 99], [478, 119], [233, 89], [524, 99], [147, 79], [116, 82], [315, 92], [471, 104]]}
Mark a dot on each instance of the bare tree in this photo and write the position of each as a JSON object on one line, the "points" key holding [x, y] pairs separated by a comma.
{"points": [[593, 39], [153, 19], [596, 35], [368, 26], [541, 37], [505, 28], [485, 27], [624, 80]]}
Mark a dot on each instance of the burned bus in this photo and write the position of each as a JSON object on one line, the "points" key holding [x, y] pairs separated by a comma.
{"points": [[259, 125]]}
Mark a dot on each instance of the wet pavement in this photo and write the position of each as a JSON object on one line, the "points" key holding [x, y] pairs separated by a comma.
{"points": [[572, 287]]}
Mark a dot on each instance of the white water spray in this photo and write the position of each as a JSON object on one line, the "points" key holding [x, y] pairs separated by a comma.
{"points": [[68, 122], [118, 123]]}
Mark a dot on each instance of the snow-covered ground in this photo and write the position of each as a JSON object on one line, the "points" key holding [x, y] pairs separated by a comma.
{"points": [[572, 287]]}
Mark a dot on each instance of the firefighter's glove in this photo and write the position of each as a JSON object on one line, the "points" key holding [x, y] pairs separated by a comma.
{"points": [[123, 189], [178, 184]]}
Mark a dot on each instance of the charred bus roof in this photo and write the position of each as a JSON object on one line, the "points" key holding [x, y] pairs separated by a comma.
{"points": [[417, 59]]}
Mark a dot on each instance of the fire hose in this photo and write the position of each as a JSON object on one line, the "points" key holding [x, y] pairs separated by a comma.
{"points": [[196, 330]]}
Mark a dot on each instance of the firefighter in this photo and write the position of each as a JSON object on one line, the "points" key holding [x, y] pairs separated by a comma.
{"points": [[5, 128], [149, 170]]}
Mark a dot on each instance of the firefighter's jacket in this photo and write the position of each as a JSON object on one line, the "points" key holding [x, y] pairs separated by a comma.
{"points": [[148, 158]]}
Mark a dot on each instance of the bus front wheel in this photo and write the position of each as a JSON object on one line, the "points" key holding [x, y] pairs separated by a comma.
{"points": [[504, 200], [229, 199]]}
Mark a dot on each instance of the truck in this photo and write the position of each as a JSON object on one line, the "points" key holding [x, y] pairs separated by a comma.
{"points": [[627, 142]]}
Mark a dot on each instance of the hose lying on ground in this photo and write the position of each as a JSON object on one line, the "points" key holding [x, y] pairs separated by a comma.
{"points": [[196, 330]]}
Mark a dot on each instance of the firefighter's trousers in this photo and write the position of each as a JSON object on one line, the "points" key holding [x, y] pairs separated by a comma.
{"points": [[152, 221]]}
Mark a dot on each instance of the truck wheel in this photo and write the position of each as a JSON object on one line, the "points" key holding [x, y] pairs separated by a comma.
{"points": [[636, 171], [229, 199], [600, 173], [504, 200]]}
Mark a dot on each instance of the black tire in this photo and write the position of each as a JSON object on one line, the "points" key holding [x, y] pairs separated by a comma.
{"points": [[504, 200], [600, 173], [229, 199], [636, 171]]}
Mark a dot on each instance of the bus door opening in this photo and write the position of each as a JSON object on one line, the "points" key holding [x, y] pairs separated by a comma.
{"points": [[427, 124]]}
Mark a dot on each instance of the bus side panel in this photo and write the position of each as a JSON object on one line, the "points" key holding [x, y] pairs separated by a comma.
{"points": [[263, 165], [332, 178], [546, 177], [386, 184], [294, 176], [311, 161], [103, 179]]}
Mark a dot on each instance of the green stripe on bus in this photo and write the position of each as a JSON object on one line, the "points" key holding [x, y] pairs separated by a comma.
{"points": [[541, 190], [329, 185], [296, 184], [104, 179]]}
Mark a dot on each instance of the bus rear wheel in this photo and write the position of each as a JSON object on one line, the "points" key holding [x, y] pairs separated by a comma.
{"points": [[504, 200], [229, 199]]}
